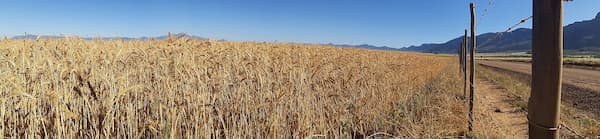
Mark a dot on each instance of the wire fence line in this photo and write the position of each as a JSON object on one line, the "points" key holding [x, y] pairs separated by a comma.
{"points": [[484, 13], [509, 29], [490, 40]]}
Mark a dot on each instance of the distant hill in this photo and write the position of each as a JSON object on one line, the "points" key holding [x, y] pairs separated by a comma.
{"points": [[178, 35], [366, 46], [579, 36], [584, 35]]}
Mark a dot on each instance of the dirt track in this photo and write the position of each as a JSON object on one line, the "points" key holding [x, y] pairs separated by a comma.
{"points": [[499, 112], [588, 79], [581, 88]]}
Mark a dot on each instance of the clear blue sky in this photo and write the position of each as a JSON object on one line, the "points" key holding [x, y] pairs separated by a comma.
{"points": [[395, 23]]}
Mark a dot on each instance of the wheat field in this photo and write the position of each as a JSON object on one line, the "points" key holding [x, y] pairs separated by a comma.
{"points": [[185, 88]]}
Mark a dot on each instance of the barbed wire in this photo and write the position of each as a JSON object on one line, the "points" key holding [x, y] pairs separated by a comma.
{"points": [[509, 28], [484, 13], [499, 34]]}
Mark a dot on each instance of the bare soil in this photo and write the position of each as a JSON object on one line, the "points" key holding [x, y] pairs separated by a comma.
{"points": [[496, 104], [581, 88], [589, 79]]}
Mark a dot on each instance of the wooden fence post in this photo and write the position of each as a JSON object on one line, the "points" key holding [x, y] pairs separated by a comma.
{"points": [[547, 41], [472, 75], [464, 66], [459, 56]]}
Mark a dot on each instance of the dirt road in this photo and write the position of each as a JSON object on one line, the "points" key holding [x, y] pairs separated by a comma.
{"points": [[588, 79], [581, 88]]}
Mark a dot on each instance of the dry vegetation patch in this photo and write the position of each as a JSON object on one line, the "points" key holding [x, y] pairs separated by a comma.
{"points": [[73, 88]]}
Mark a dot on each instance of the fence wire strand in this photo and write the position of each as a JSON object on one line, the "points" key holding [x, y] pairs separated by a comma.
{"points": [[484, 13], [499, 34], [509, 29]]}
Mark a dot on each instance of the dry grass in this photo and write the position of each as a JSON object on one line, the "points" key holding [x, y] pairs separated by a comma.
{"points": [[72, 88]]}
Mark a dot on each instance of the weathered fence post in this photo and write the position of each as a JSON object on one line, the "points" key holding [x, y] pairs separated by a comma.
{"points": [[459, 55], [464, 61], [472, 75], [547, 41]]}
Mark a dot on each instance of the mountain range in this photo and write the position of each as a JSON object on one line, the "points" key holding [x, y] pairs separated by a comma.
{"points": [[178, 35], [366, 46], [578, 36]]}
